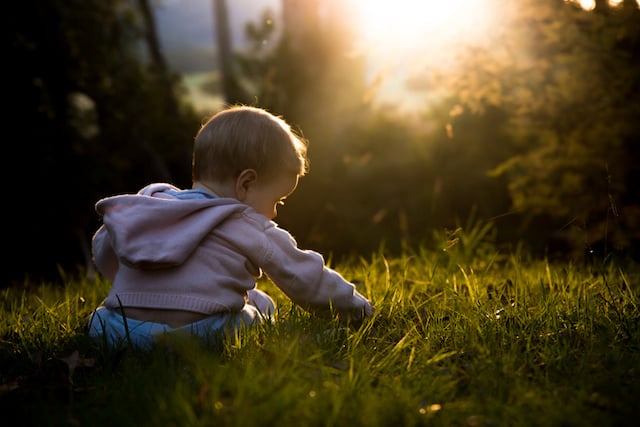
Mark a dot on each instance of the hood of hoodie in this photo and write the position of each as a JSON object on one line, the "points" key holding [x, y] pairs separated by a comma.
{"points": [[153, 229]]}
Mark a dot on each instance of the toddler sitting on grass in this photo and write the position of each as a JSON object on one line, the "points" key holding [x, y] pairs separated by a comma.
{"points": [[187, 260]]}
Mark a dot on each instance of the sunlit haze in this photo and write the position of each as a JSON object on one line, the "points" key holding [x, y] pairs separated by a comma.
{"points": [[405, 24], [405, 38], [590, 4], [409, 25]]}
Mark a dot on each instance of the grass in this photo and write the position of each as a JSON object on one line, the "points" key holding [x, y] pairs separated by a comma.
{"points": [[460, 337]]}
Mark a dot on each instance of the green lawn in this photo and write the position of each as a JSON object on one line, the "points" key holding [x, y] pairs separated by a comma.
{"points": [[458, 339]]}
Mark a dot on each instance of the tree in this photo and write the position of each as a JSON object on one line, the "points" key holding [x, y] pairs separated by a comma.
{"points": [[568, 79], [93, 119], [231, 90]]}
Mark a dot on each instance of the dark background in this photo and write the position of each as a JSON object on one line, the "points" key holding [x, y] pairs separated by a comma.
{"points": [[539, 140]]}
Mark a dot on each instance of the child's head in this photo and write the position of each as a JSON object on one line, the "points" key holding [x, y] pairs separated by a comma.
{"points": [[243, 137]]}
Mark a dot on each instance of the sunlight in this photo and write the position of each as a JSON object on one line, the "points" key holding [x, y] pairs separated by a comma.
{"points": [[408, 25], [591, 4], [408, 40], [587, 4]]}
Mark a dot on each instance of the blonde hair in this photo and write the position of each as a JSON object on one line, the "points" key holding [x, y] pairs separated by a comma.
{"points": [[243, 137]]}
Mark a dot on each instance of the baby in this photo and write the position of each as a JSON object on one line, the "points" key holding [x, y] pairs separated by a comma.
{"points": [[188, 260]]}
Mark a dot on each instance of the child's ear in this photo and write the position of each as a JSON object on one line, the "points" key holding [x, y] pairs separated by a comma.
{"points": [[245, 179]]}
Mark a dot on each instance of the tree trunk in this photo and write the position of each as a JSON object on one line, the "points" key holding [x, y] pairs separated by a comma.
{"points": [[222, 34], [151, 36], [161, 72]]}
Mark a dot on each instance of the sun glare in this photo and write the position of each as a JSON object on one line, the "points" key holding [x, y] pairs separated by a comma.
{"points": [[410, 25], [591, 4], [405, 40]]}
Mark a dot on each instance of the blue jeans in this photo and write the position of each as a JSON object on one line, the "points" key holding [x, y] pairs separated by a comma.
{"points": [[117, 330]]}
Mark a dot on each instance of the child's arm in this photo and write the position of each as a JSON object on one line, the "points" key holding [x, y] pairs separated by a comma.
{"points": [[103, 255], [303, 276]]}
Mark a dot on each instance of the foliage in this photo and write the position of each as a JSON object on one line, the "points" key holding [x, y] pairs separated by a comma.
{"points": [[303, 71], [567, 79], [376, 176], [536, 136], [92, 118], [518, 342], [539, 135]]}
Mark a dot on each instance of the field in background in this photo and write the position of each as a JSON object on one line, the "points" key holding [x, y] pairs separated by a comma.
{"points": [[203, 101]]}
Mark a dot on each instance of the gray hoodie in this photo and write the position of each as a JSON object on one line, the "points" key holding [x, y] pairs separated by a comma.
{"points": [[203, 254]]}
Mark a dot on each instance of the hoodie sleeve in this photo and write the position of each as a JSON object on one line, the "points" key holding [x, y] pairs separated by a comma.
{"points": [[104, 256], [303, 276]]}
